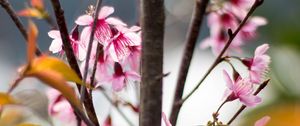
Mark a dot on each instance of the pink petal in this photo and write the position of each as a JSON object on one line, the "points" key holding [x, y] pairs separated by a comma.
{"points": [[255, 77], [135, 28], [115, 21], [84, 20], [105, 12], [112, 53], [81, 52], [167, 122], [259, 21], [132, 75], [263, 121], [228, 80], [55, 34], [56, 46], [85, 35], [135, 39], [250, 100], [118, 83], [260, 50]]}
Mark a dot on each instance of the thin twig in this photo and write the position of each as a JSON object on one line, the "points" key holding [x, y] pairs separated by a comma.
{"points": [[114, 105], [90, 46], [256, 4], [84, 95], [152, 24], [260, 88], [60, 19], [190, 42], [98, 53], [6, 5]]}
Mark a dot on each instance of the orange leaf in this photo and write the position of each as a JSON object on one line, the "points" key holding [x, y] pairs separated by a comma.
{"points": [[6, 99], [54, 64], [57, 81], [32, 35], [31, 12], [37, 4]]}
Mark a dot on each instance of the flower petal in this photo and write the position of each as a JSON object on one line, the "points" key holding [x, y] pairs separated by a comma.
{"points": [[229, 82], [118, 83], [263, 121], [250, 100], [84, 20], [105, 12], [56, 46], [55, 34], [115, 21], [260, 50]]}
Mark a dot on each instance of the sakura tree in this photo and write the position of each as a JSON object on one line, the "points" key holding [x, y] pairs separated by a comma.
{"points": [[102, 53]]}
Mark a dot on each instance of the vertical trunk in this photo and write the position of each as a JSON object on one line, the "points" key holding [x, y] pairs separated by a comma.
{"points": [[152, 22]]}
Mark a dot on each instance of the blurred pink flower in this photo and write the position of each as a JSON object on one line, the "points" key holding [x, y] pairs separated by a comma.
{"points": [[120, 78], [133, 58], [240, 89], [119, 45], [259, 64], [56, 44], [165, 119], [102, 32], [107, 121], [263, 121], [60, 108], [249, 30]]}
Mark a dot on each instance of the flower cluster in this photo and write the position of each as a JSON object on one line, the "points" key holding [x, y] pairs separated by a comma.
{"points": [[242, 88], [120, 45], [227, 14]]}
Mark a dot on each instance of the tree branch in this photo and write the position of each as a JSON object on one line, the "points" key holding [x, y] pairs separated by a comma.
{"points": [[152, 23], [190, 42], [5, 4], [231, 37], [60, 19]]}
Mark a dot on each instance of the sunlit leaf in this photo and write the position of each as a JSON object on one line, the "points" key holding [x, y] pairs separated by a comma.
{"points": [[37, 4], [32, 35], [6, 99], [32, 12], [27, 124], [12, 117], [58, 82], [36, 101]]}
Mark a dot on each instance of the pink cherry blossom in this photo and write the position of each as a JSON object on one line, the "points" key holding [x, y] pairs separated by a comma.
{"points": [[240, 89], [107, 121], [217, 41], [165, 119], [263, 121], [259, 64], [102, 32], [119, 45], [60, 108], [249, 30], [120, 77], [56, 45]]}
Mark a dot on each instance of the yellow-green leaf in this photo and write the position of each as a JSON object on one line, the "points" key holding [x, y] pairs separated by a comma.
{"points": [[43, 63], [6, 99], [57, 81], [27, 124]]}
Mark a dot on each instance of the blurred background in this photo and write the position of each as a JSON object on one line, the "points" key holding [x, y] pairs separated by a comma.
{"points": [[281, 96]]}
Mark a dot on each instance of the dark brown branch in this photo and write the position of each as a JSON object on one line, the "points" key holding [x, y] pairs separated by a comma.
{"points": [[192, 36], [152, 24], [243, 107], [5, 4], [98, 53], [231, 37], [60, 19]]}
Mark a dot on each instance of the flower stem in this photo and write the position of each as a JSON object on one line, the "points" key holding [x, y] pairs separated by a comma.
{"points": [[256, 4], [6, 5], [260, 88]]}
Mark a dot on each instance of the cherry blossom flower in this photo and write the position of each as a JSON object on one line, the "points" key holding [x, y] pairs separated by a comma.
{"points": [[103, 31], [259, 64], [60, 108], [119, 45], [240, 89], [263, 121], [217, 41], [56, 44], [249, 30], [120, 78]]}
